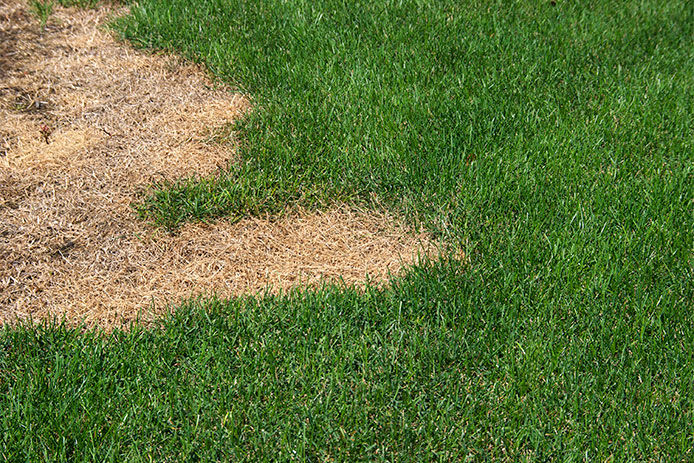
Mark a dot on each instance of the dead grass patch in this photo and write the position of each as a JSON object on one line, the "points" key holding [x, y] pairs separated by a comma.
{"points": [[87, 122]]}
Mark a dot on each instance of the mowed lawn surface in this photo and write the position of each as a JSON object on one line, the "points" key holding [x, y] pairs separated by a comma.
{"points": [[552, 142]]}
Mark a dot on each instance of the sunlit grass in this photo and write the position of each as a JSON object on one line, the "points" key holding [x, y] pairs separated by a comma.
{"points": [[552, 140]]}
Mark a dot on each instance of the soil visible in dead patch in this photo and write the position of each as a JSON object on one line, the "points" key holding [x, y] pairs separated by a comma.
{"points": [[86, 123]]}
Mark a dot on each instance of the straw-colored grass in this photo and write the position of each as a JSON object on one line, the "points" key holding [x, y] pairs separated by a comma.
{"points": [[86, 123]]}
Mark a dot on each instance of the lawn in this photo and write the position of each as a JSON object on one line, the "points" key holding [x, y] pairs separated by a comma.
{"points": [[551, 142]]}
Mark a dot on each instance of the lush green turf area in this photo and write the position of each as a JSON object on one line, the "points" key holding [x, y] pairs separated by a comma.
{"points": [[553, 142]]}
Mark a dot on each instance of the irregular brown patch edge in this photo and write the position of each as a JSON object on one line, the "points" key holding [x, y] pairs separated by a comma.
{"points": [[97, 45]]}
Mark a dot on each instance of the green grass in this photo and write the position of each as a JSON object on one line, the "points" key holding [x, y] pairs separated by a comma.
{"points": [[42, 9], [553, 142]]}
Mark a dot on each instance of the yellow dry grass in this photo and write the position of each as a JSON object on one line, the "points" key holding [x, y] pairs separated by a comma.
{"points": [[86, 123]]}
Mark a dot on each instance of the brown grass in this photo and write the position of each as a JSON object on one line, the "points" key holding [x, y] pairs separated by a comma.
{"points": [[86, 123]]}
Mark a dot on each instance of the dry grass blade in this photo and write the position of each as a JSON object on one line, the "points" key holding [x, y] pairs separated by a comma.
{"points": [[85, 124]]}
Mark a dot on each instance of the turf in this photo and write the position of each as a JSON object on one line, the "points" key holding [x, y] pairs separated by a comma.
{"points": [[552, 141]]}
